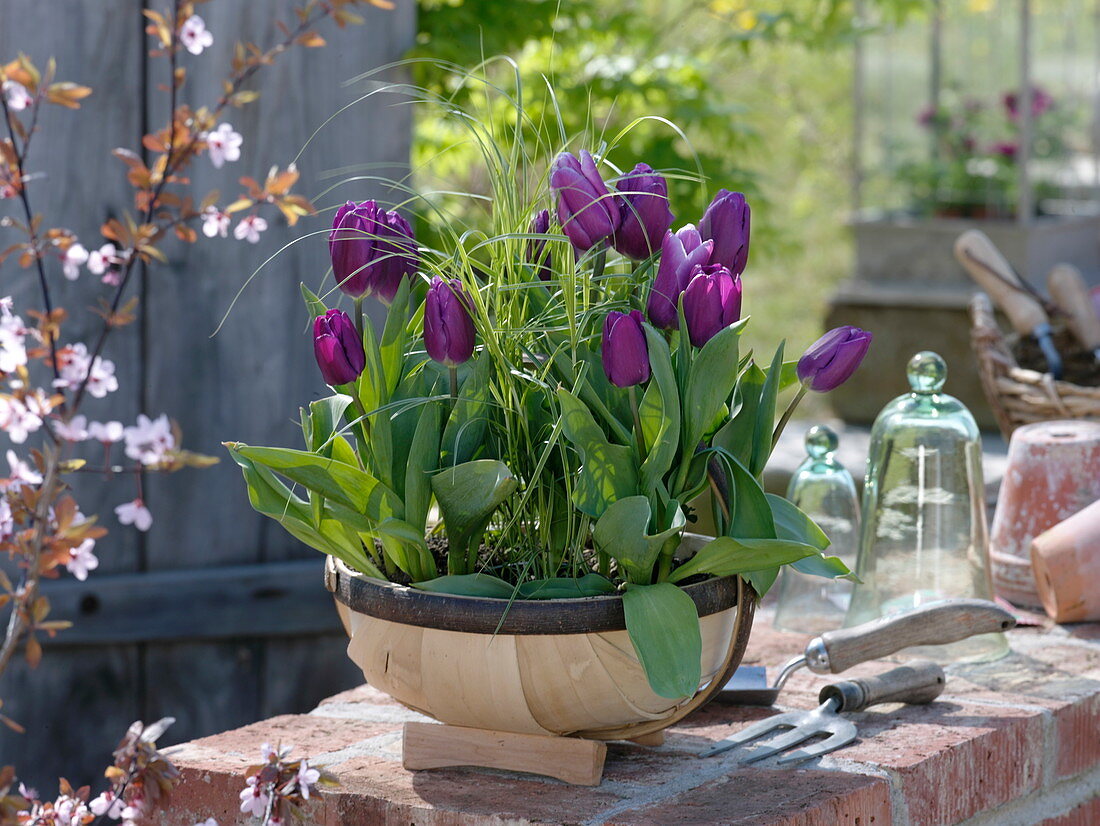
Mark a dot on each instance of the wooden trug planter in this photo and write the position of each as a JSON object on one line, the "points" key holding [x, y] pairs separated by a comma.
{"points": [[537, 687]]}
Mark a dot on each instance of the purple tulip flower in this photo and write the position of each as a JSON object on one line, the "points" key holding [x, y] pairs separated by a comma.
{"points": [[726, 222], [643, 207], [536, 247], [832, 359], [372, 250], [624, 351], [448, 328], [338, 348], [712, 302], [587, 211], [681, 252]]}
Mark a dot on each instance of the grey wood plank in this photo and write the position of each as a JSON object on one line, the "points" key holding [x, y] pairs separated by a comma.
{"points": [[299, 672], [259, 600], [247, 382]]}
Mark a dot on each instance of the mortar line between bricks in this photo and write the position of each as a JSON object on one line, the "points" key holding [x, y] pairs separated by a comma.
{"points": [[899, 808], [1053, 801]]}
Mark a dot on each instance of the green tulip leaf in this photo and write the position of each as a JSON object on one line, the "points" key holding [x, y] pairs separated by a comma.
{"points": [[765, 415], [314, 305], [663, 624], [726, 556], [751, 515], [323, 423], [710, 382], [789, 375], [793, 524], [464, 434], [736, 436], [830, 567], [344, 484], [468, 496], [391, 349], [662, 448], [608, 472], [423, 461], [468, 585], [762, 581], [623, 534], [589, 585]]}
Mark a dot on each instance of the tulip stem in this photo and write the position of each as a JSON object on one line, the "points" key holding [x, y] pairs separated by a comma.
{"points": [[598, 265], [359, 316], [802, 389], [452, 372], [638, 434]]}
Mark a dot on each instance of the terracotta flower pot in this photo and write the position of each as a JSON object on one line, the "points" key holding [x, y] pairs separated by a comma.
{"points": [[1066, 560], [1053, 472], [549, 667]]}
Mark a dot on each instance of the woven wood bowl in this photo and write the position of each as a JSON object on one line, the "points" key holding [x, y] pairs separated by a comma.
{"points": [[553, 667], [1018, 395]]}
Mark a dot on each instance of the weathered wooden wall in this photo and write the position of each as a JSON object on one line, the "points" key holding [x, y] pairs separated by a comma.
{"points": [[216, 616]]}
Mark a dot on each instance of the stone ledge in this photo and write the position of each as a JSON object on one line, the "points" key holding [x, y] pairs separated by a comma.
{"points": [[1012, 742]]}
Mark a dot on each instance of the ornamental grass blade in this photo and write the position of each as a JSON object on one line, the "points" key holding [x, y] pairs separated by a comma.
{"points": [[663, 624]]}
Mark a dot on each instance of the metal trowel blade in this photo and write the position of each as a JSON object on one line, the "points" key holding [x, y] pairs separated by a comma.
{"points": [[749, 687]]}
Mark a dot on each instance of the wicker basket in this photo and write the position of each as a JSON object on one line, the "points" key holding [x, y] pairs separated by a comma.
{"points": [[1018, 395]]}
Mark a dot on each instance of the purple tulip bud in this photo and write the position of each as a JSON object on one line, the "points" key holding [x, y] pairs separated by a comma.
{"points": [[681, 252], [338, 348], [624, 351], [536, 247], [726, 222], [643, 206], [587, 211], [831, 360], [448, 328], [712, 302], [372, 250]]}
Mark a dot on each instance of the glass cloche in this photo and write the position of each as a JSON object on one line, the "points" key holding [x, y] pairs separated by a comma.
{"points": [[924, 535]]}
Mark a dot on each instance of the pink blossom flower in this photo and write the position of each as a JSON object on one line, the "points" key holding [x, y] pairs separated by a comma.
{"points": [[27, 792], [18, 420], [194, 36], [135, 513], [17, 96], [102, 259], [253, 798], [149, 440], [106, 432], [81, 561], [74, 430], [223, 144], [208, 822], [215, 222], [13, 352], [21, 473], [249, 229], [7, 526], [307, 777], [73, 363], [74, 258], [108, 803]]}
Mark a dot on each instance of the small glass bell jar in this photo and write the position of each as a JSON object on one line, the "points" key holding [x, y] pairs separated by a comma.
{"points": [[924, 535], [823, 489]]}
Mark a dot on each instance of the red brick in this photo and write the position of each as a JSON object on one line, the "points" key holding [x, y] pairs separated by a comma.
{"points": [[1078, 731], [795, 797], [1087, 814]]}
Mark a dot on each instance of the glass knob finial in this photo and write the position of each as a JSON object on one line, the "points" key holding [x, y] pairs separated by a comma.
{"points": [[821, 441], [927, 371]]}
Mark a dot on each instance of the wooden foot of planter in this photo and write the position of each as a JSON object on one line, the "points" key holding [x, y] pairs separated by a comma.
{"points": [[437, 746]]}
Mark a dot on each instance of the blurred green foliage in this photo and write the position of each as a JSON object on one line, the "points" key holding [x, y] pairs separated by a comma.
{"points": [[760, 88]]}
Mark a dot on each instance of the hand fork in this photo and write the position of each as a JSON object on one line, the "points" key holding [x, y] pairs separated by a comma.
{"points": [[917, 682]]}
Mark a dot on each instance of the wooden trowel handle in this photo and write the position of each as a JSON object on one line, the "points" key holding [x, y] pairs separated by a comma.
{"points": [[920, 681], [938, 623], [989, 269], [1068, 289]]}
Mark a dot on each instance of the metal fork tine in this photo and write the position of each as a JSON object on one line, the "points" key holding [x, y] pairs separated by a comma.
{"points": [[781, 743], [827, 745], [758, 729]]}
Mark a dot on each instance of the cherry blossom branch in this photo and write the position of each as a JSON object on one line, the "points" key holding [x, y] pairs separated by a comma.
{"points": [[32, 231]]}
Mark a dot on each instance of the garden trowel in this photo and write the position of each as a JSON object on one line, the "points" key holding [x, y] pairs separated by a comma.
{"points": [[937, 623]]}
